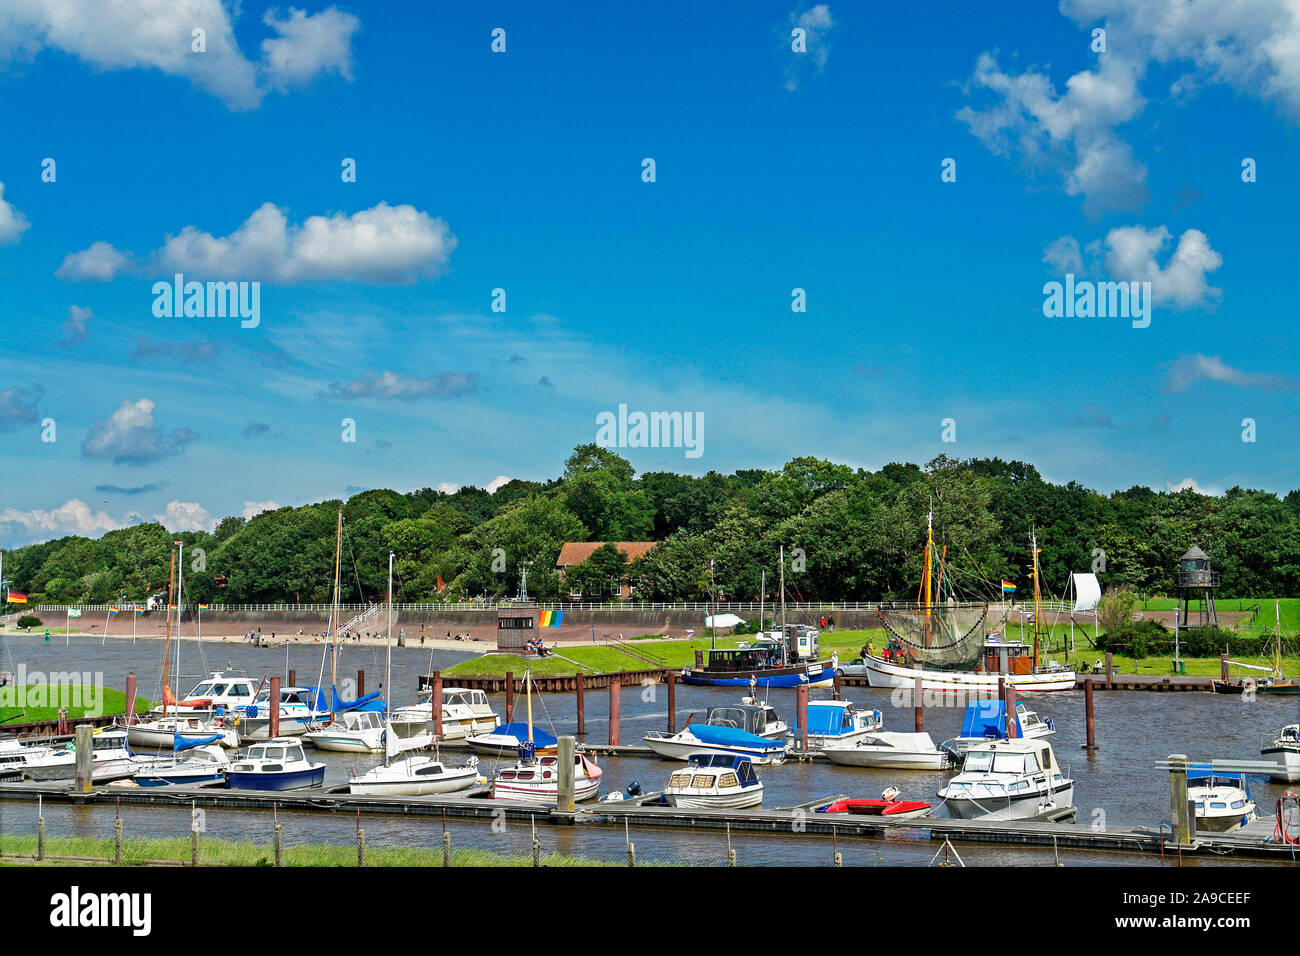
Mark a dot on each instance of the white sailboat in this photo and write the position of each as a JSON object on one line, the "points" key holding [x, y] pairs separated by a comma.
{"points": [[537, 778]]}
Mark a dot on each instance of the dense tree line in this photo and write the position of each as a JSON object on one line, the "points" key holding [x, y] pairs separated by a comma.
{"points": [[849, 535]]}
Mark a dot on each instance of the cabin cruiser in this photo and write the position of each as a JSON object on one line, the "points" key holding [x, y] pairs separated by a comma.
{"points": [[837, 723], [415, 775], [366, 732], [715, 781], [215, 693], [111, 759], [277, 764], [465, 713], [16, 756], [163, 732], [1283, 749], [986, 720], [508, 738], [1008, 780], [535, 778], [193, 766], [698, 738], [892, 750], [301, 709], [1222, 800]]}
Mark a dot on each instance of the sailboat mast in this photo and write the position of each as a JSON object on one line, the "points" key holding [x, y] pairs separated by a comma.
{"points": [[338, 554], [388, 657], [1038, 596], [528, 695], [783, 590], [180, 610], [167, 635]]}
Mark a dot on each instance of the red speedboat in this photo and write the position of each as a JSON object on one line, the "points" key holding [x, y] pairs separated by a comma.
{"points": [[888, 806]]}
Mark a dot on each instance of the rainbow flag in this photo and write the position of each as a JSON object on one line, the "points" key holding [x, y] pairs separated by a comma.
{"points": [[137, 610], [555, 621], [16, 598], [1007, 587], [544, 618], [114, 610], [203, 607]]}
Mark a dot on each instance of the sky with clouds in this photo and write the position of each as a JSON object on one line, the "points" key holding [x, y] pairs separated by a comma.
{"points": [[793, 147]]}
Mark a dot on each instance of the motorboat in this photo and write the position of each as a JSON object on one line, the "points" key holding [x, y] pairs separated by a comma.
{"points": [[1008, 780], [698, 738], [714, 781], [194, 766], [301, 709], [782, 658], [465, 713], [1283, 749], [111, 759], [216, 693], [415, 775], [161, 732], [751, 715], [16, 756], [1222, 800], [891, 750], [986, 720], [837, 723], [508, 738], [364, 732], [277, 764], [535, 778], [888, 807]]}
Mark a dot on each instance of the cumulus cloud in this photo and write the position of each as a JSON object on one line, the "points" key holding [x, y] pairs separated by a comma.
{"points": [[12, 222], [252, 508], [496, 483], [185, 516], [158, 34], [1130, 254], [72, 517], [399, 385], [129, 436], [1189, 370], [74, 330], [1063, 255], [818, 25], [18, 407], [1071, 133], [1190, 484], [448, 487], [383, 244]]}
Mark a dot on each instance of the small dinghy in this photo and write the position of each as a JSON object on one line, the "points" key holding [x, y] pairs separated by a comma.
{"points": [[715, 781], [887, 806], [277, 764]]}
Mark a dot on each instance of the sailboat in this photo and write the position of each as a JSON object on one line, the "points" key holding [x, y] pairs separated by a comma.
{"points": [[536, 778], [414, 774], [1275, 683], [951, 646]]}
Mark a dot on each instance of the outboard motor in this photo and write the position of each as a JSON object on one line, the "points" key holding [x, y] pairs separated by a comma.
{"points": [[634, 789]]}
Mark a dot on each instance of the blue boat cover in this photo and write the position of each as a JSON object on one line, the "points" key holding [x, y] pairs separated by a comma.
{"points": [[369, 702], [1203, 771], [541, 739], [185, 743], [731, 737], [987, 720], [825, 719]]}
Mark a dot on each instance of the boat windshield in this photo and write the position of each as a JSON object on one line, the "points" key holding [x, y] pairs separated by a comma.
{"points": [[1014, 763], [978, 761]]}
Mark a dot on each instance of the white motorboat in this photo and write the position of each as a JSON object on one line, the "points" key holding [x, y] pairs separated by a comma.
{"points": [[698, 738], [364, 732], [414, 775], [277, 764], [536, 779], [111, 759], [200, 765], [301, 709], [1283, 749], [465, 713], [836, 723], [162, 733], [16, 756], [986, 720], [218, 692], [884, 749], [1008, 780], [715, 781], [1222, 800]]}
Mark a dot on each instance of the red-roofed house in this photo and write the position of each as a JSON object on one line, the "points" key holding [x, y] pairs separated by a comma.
{"points": [[575, 553]]}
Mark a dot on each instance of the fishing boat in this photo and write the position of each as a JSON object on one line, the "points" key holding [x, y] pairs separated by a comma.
{"points": [[700, 738], [891, 750], [1008, 780], [781, 658], [277, 764], [986, 720], [957, 646], [888, 807], [535, 777], [415, 775], [508, 738], [837, 723], [715, 781], [191, 765], [162, 732], [1283, 749], [1222, 800]]}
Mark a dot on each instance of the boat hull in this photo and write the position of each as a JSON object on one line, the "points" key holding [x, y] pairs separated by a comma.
{"points": [[1287, 760], [293, 780], [179, 779], [775, 677], [674, 749], [749, 797], [453, 781], [158, 739], [583, 789], [1007, 808], [889, 758], [893, 676]]}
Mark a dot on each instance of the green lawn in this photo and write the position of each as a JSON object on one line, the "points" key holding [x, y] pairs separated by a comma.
{"points": [[109, 702], [597, 658]]}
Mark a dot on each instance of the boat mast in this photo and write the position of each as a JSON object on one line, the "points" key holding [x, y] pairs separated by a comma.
{"points": [[388, 657], [180, 610], [1038, 595], [167, 635], [338, 553], [782, 592], [926, 575], [528, 696], [762, 587]]}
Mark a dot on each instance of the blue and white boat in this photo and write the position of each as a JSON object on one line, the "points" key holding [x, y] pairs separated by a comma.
{"points": [[508, 738], [1222, 800], [708, 738], [986, 720], [301, 709], [781, 658], [277, 764], [715, 781], [193, 763], [837, 723]]}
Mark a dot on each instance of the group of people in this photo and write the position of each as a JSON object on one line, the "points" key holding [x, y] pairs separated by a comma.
{"points": [[827, 623], [537, 646]]}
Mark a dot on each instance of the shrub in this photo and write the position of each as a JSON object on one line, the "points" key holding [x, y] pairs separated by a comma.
{"points": [[30, 620], [1116, 608], [1136, 638], [753, 627]]}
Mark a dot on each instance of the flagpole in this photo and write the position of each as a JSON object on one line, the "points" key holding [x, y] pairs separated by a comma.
{"points": [[67, 624], [107, 618]]}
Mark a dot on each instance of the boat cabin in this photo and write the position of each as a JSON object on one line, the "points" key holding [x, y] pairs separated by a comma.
{"points": [[359, 720], [754, 718], [271, 756], [304, 697], [1021, 758], [742, 659], [837, 718], [706, 771], [223, 691]]}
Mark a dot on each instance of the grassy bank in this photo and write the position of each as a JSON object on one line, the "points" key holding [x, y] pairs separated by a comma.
{"points": [[589, 659], [49, 698]]}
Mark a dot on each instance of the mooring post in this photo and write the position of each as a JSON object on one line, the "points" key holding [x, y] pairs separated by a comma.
{"points": [[802, 711], [435, 703], [564, 782], [85, 757], [1110, 671], [1090, 715], [293, 677], [917, 707], [361, 683], [835, 683], [699, 658], [580, 687], [130, 698], [273, 709], [672, 702], [615, 717], [1178, 799], [1223, 667], [510, 697], [1013, 722]]}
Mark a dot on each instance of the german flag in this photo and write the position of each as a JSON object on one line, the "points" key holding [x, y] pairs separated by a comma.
{"points": [[16, 598]]}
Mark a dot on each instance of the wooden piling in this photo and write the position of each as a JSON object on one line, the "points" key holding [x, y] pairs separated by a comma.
{"points": [[1223, 667], [615, 717], [1013, 723], [1090, 716], [1110, 670], [917, 707], [273, 710], [671, 681], [435, 703], [835, 683], [1178, 806], [579, 687], [803, 715], [85, 758], [564, 781], [130, 698], [699, 658], [510, 697], [293, 677], [361, 683]]}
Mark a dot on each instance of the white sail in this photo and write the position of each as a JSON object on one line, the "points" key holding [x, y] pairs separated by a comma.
{"points": [[1087, 592]]}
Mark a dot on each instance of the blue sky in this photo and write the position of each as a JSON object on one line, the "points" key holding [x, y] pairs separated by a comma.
{"points": [[522, 170]]}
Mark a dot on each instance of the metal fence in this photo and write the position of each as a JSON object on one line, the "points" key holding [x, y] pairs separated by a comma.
{"points": [[1063, 607]]}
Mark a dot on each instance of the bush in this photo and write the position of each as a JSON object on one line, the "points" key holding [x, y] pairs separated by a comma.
{"points": [[753, 627], [30, 620], [1116, 608], [1149, 637], [1136, 638]]}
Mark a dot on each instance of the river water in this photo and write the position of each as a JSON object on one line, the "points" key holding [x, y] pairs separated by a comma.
{"points": [[1118, 784]]}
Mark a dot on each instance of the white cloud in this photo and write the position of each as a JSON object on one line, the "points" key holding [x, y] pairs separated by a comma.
{"points": [[74, 330], [308, 46], [186, 516], [158, 34], [252, 508], [448, 487], [1191, 484], [72, 517], [1131, 255], [383, 244], [129, 436], [99, 263], [495, 484], [1063, 255], [12, 222], [399, 385], [818, 25], [18, 406], [1188, 370]]}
